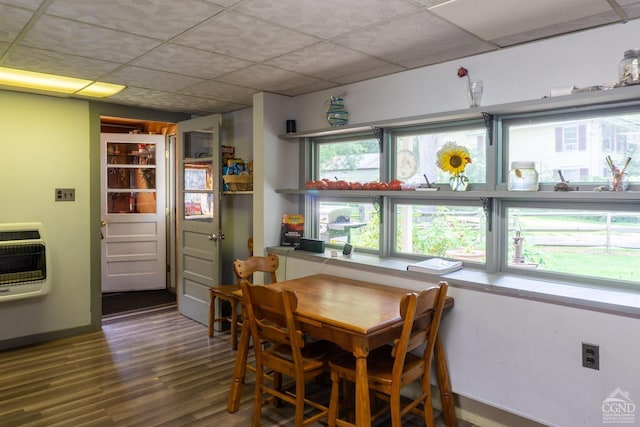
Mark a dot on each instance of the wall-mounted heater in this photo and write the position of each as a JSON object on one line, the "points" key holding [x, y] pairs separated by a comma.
{"points": [[25, 270]]}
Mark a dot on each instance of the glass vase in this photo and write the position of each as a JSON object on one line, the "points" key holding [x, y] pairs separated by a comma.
{"points": [[618, 182], [475, 93], [337, 115], [459, 183]]}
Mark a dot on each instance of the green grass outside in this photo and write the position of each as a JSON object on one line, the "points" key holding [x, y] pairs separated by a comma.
{"points": [[618, 265]]}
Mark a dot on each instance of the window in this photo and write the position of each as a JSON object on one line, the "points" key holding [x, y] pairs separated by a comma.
{"points": [[575, 143], [354, 159], [577, 241], [415, 152], [457, 232], [588, 236], [350, 222]]}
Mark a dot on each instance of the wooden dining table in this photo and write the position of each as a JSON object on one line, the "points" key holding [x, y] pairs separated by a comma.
{"points": [[358, 316]]}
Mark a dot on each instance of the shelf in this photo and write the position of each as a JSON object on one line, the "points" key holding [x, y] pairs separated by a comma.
{"points": [[628, 93], [577, 196], [230, 193]]}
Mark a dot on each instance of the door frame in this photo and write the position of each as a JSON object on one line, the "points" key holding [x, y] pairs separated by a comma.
{"points": [[96, 111]]}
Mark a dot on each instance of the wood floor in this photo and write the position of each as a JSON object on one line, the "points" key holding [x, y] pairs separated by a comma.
{"points": [[155, 368]]}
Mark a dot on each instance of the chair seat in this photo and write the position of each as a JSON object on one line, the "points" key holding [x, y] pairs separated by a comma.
{"points": [[225, 290], [379, 366], [315, 355]]}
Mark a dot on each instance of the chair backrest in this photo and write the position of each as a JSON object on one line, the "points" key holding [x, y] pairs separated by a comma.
{"points": [[244, 269], [270, 313], [421, 313]]}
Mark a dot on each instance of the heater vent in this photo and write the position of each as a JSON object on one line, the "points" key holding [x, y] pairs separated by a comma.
{"points": [[24, 261]]}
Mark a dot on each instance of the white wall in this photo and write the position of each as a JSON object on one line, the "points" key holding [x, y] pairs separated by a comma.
{"points": [[277, 162], [44, 146], [511, 353], [237, 209], [514, 74]]}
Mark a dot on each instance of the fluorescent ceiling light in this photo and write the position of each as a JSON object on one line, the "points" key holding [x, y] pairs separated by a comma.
{"points": [[100, 90], [52, 83]]}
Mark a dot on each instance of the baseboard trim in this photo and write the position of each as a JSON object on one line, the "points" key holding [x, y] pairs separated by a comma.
{"points": [[483, 415]]}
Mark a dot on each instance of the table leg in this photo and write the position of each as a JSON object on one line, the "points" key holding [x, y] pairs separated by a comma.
{"points": [[363, 411], [239, 370], [444, 384]]}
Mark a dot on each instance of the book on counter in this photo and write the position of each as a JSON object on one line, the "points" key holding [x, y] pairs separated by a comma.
{"points": [[291, 230], [435, 266]]}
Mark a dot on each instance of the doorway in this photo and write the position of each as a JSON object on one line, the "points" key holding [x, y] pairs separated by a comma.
{"points": [[136, 215], [185, 207]]}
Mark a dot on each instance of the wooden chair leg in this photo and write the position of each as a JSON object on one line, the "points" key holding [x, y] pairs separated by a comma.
{"points": [[212, 304], [333, 400], [257, 402], [234, 325]]}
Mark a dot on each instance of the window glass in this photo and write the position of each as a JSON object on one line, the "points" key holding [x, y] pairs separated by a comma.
{"points": [[457, 232], [415, 153], [350, 222], [353, 160], [576, 145], [593, 243]]}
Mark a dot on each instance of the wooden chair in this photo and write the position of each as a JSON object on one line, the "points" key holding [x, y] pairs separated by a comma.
{"points": [[225, 293], [245, 269], [391, 367], [270, 315]]}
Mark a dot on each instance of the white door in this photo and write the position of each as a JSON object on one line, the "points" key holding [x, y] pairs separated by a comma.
{"points": [[198, 214], [133, 212]]}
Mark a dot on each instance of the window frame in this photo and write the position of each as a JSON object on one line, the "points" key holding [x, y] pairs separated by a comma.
{"points": [[491, 195]]}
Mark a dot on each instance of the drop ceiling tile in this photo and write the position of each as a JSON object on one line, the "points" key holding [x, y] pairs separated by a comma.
{"points": [[557, 29], [26, 4], [3, 49], [326, 61], [192, 104], [161, 100], [224, 3], [12, 20], [496, 19], [148, 18], [61, 35], [308, 88], [32, 59], [632, 10], [327, 18], [416, 40], [150, 79], [267, 78], [245, 37], [370, 73], [189, 61], [221, 91], [137, 96]]}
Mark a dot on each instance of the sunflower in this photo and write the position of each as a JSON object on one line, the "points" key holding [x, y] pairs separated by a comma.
{"points": [[453, 158]]}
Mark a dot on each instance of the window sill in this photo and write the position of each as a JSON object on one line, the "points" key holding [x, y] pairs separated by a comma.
{"points": [[572, 294], [628, 196]]}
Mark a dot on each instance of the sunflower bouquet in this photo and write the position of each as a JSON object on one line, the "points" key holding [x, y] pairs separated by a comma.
{"points": [[453, 158]]}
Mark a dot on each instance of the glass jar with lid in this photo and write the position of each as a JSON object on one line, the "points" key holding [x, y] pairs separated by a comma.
{"points": [[523, 177], [629, 68]]}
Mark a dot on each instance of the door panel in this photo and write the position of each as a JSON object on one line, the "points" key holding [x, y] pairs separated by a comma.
{"points": [[198, 214], [133, 212]]}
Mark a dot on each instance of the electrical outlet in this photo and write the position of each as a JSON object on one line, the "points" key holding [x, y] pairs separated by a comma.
{"points": [[65, 194], [591, 356]]}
